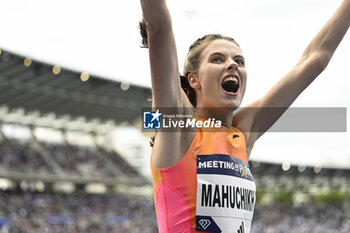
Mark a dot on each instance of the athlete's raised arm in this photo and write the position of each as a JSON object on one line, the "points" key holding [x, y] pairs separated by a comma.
{"points": [[313, 61], [169, 147], [166, 86]]}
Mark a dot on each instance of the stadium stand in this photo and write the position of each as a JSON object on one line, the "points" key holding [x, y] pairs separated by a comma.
{"points": [[41, 88], [328, 218], [17, 155], [46, 186], [57, 212]]}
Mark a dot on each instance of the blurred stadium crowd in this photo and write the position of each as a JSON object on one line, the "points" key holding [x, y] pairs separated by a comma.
{"points": [[71, 160], [55, 212], [64, 213], [309, 218]]}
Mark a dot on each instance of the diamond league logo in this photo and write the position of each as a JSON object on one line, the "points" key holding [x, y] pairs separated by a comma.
{"points": [[204, 223]]}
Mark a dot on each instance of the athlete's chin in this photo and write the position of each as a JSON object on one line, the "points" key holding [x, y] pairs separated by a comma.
{"points": [[232, 104], [228, 106], [223, 103]]}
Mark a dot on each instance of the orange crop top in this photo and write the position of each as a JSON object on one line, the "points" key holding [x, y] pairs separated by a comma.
{"points": [[210, 189]]}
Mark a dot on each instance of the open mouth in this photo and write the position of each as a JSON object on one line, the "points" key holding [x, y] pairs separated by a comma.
{"points": [[230, 85]]}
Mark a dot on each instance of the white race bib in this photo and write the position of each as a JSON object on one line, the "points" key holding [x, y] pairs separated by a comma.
{"points": [[225, 194]]}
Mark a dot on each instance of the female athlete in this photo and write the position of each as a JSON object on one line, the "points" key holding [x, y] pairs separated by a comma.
{"points": [[202, 181]]}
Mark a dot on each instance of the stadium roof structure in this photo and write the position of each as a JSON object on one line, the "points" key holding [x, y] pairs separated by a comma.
{"points": [[35, 93]]}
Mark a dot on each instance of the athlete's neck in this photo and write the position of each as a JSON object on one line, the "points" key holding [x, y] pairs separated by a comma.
{"points": [[224, 115]]}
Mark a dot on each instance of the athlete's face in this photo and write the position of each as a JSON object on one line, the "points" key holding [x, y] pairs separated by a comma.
{"points": [[221, 77]]}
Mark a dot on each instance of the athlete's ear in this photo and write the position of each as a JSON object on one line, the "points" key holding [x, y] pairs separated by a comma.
{"points": [[193, 80]]}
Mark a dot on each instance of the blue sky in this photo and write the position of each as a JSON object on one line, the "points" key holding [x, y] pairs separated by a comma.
{"points": [[101, 37]]}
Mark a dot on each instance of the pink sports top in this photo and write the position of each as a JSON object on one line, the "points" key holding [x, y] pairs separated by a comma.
{"points": [[210, 189]]}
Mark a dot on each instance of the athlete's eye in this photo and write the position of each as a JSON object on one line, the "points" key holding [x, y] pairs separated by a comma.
{"points": [[240, 61], [217, 59]]}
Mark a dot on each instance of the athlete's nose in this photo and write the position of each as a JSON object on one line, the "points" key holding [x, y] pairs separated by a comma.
{"points": [[232, 66]]}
